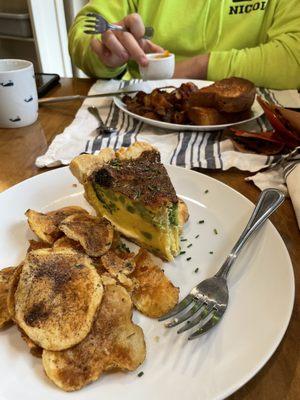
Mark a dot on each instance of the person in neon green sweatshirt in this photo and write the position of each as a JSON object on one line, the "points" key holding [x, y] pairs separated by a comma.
{"points": [[212, 39]]}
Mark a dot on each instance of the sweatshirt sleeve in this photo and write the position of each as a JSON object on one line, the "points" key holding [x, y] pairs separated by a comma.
{"points": [[79, 42], [274, 64]]}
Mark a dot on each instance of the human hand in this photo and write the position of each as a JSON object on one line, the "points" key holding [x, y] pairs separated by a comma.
{"points": [[116, 48], [192, 68]]}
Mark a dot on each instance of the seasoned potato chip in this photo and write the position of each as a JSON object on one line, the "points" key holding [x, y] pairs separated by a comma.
{"points": [[95, 235], [154, 295], [6, 275], [11, 291], [36, 245], [45, 226], [34, 349], [107, 279], [67, 243], [115, 264], [57, 297], [114, 342]]}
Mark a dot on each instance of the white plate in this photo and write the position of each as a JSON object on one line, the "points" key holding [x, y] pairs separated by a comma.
{"points": [[212, 367], [148, 86]]}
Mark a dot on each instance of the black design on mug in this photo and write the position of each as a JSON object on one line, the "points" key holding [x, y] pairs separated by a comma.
{"points": [[9, 83], [17, 119], [28, 99]]}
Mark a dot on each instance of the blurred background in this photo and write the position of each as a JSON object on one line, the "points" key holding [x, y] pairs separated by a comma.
{"points": [[36, 30]]}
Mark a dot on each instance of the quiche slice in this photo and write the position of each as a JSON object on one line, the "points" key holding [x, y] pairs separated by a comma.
{"points": [[132, 189]]}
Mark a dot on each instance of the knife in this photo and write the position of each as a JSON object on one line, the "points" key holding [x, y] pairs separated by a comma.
{"points": [[91, 96]]}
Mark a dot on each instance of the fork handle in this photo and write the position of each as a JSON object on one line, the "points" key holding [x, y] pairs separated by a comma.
{"points": [[94, 111], [268, 202], [149, 31]]}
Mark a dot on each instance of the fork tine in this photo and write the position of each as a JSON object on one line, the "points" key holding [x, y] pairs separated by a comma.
{"points": [[91, 14], [215, 318], [176, 321], [91, 32], [177, 309], [190, 324]]}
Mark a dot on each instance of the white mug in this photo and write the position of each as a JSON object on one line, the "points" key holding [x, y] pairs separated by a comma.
{"points": [[160, 66], [18, 94]]}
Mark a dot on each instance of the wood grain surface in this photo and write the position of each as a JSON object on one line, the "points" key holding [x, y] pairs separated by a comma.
{"points": [[279, 379]]}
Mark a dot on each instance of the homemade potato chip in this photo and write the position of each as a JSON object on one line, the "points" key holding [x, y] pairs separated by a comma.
{"points": [[115, 264], [114, 342], [57, 297], [11, 291], [5, 279], [36, 245], [34, 349], [67, 243], [94, 234], [45, 226], [154, 295]]}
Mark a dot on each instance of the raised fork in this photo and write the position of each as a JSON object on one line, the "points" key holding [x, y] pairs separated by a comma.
{"points": [[99, 24], [207, 302]]}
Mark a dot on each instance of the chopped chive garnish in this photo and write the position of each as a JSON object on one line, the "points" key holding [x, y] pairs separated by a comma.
{"points": [[140, 374], [211, 252], [201, 221], [196, 237], [190, 245], [206, 191], [215, 231], [183, 240], [196, 270], [182, 252], [189, 258]]}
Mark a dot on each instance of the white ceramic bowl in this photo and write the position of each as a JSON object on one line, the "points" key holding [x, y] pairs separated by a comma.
{"points": [[18, 94], [158, 67]]}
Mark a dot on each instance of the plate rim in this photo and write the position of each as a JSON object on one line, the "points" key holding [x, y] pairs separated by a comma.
{"points": [[280, 334], [177, 127]]}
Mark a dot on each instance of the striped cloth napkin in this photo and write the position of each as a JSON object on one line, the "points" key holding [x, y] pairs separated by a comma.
{"points": [[187, 149]]}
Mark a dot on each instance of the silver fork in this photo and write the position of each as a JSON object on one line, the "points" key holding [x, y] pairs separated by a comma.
{"points": [[102, 127], [207, 302], [99, 24]]}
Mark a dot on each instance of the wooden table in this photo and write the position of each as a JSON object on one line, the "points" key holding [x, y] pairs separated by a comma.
{"points": [[280, 378]]}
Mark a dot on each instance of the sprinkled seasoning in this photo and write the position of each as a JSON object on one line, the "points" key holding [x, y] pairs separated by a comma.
{"points": [[196, 270], [211, 252], [201, 221], [140, 374], [190, 245], [196, 237], [189, 258], [215, 231], [182, 252], [206, 191], [183, 240]]}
